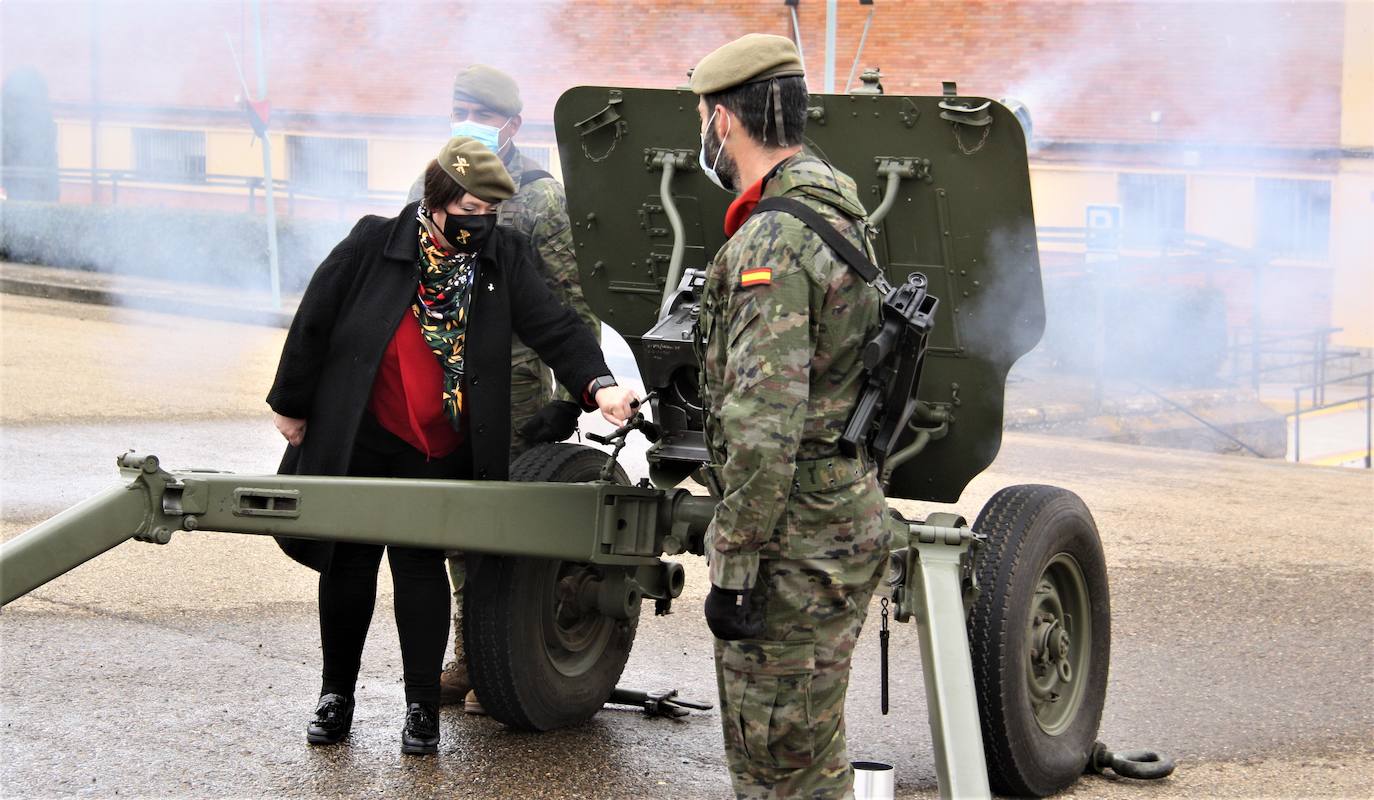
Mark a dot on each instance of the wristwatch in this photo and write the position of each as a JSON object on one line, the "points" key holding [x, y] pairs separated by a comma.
{"points": [[597, 385]]}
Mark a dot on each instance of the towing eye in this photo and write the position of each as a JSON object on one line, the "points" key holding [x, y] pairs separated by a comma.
{"points": [[1143, 765]]}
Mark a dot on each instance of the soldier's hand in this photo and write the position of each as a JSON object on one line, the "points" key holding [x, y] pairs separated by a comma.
{"points": [[552, 423], [731, 616], [292, 428], [617, 404]]}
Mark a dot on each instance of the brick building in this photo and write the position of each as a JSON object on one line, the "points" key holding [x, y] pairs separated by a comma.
{"points": [[1249, 123]]}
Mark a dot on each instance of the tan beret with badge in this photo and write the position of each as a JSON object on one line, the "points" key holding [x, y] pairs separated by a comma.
{"points": [[489, 86], [751, 58], [476, 169]]}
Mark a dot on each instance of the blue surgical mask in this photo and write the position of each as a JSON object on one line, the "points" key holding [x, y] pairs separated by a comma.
{"points": [[710, 169], [486, 134]]}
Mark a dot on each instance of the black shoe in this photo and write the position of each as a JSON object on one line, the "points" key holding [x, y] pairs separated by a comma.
{"points": [[333, 719], [420, 736]]}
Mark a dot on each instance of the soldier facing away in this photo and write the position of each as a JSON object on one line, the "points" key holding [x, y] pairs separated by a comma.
{"points": [[798, 541], [486, 107]]}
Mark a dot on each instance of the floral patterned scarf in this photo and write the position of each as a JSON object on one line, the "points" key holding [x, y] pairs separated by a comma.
{"points": [[441, 307]]}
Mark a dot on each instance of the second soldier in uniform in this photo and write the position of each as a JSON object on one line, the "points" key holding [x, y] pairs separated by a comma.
{"points": [[797, 543], [487, 106]]}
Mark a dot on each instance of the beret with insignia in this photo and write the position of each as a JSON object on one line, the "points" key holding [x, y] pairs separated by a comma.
{"points": [[476, 169]]}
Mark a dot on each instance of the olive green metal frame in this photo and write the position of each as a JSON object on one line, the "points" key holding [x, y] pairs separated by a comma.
{"points": [[623, 529]]}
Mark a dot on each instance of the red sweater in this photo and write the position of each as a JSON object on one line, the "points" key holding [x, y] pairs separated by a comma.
{"points": [[407, 393]]}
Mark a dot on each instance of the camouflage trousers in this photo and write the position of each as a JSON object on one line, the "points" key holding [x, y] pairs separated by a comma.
{"points": [[531, 388], [782, 696]]}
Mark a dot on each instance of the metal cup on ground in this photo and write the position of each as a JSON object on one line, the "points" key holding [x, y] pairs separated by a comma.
{"points": [[873, 780]]}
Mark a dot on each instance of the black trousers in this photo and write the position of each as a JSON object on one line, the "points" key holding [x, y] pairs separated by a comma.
{"points": [[348, 588]]}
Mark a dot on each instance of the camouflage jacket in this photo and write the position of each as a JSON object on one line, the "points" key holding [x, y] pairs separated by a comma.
{"points": [[783, 324], [539, 210]]}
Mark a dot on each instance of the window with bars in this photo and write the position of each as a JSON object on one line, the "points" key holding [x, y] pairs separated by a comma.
{"points": [[1293, 217], [327, 165], [169, 155], [1152, 207]]}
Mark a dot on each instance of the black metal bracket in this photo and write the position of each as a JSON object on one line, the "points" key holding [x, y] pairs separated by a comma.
{"points": [[656, 704]]}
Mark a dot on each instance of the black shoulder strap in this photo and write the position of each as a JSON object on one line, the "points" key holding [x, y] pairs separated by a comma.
{"points": [[530, 176], [844, 248]]}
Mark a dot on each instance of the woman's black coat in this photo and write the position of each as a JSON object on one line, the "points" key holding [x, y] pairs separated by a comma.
{"points": [[350, 312]]}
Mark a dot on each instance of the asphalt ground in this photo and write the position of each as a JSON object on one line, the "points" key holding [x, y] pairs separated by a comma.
{"points": [[1241, 609]]}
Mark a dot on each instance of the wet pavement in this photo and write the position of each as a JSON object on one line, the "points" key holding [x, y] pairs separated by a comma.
{"points": [[1243, 638]]}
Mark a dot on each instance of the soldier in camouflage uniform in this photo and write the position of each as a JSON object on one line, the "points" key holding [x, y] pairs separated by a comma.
{"points": [[487, 106], [798, 541]]}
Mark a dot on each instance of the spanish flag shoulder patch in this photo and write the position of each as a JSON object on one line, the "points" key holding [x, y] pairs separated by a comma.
{"points": [[756, 276]]}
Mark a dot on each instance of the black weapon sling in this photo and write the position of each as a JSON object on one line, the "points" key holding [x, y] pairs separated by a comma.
{"points": [[533, 175], [843, 248]]}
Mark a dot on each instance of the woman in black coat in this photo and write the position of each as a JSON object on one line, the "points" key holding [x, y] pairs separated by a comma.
{"points": [[397, 365]]}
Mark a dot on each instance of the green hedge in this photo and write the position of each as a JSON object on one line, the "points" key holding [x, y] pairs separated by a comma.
{"points": [[165, 243]]}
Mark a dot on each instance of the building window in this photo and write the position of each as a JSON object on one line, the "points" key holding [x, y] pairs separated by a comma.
{"points": [[327, 165], [1293, 217], [538, 153], [1152, 208], [169, 155]]}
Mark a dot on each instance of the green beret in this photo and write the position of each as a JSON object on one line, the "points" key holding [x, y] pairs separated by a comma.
{"points": [[475, 168], [751, 58], [489, 86]]}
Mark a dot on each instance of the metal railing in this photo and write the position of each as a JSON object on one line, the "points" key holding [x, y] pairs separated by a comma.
{"points": [[1307, 353], [1319, 389], [113, 179]]}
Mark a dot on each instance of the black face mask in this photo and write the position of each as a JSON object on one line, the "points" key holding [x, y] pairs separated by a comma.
{"points": [[466, 233]]}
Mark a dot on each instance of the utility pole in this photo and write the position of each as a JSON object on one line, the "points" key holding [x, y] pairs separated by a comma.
{"points": [[95, 101], [831, 13], [267, 166]]}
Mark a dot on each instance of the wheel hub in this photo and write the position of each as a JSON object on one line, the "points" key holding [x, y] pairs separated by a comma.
{"points": [[575, 632], [1058, 644]]}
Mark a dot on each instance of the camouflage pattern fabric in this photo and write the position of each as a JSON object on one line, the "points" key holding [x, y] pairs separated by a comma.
{"points": [[782, 696], [531, 386], [781, 372]]}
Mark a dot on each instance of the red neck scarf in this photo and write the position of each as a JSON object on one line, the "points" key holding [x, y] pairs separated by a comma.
{"points": [[743, 206]]}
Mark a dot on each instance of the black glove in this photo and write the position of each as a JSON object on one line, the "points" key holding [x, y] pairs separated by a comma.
{"points": [[731, 616], [552, 423]]}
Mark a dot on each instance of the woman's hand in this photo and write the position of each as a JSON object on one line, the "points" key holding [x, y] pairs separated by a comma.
{"points": [[290, 427], [615, 404]]}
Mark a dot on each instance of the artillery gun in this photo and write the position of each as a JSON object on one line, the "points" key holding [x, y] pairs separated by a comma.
{"points": [[1013, 611]]}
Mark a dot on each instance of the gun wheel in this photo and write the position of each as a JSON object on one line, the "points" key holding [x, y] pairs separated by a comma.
{"points": [[1040, 638], [538, 658]]}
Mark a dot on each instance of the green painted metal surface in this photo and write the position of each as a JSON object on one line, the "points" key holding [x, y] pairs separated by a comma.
{"points": [[598, 523], [961, 214], [70, 539]]}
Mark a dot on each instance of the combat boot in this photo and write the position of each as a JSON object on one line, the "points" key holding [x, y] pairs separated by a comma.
{"points": [[333, 719], [420, 736], [454, 682], [472, 705]]}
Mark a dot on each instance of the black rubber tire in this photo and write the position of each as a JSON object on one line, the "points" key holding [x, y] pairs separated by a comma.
{"points": [[1027, 527], [522, 679]]}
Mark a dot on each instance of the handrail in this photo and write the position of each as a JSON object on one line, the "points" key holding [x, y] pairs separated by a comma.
{"points": [[1367, 398]]}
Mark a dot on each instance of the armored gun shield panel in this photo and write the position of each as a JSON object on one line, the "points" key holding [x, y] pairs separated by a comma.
{"points": [[947, 186]]}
